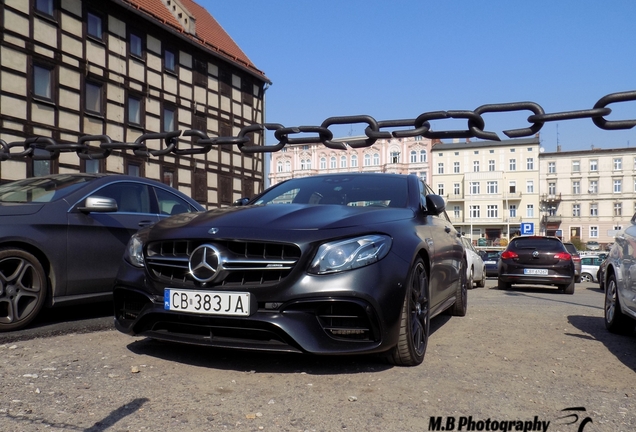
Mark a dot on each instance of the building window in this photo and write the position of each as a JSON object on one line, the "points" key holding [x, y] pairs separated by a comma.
{"points": [[512, 209], [94, 25], [551, 167], [512, 150], [440, 189], [456, 211], [169, 120], [367, 160], [530, 164], [593, 209], [136, 45], [376, 159], [618, 186], [512, 187], [618, 164], [91, 165], [475, 166], [169, 61], [423, 175], [474, 188], [593, 165], [134, 110], [530, 186], [395, 157], [618, 209], [422, 155], [493, 211], [456, 167], [513, 164], [456, 188], [576, 187], [332, 162], [593, 231], [323, 163], [492, 187], [593, 186], [576, 166], [93, 101], [287, 166], [413, 156], [305, 164], [530, 210], [491, 165], [551, 188], [42, 82], [133, 169], [279, 167], [440, 168], [354, 161], [474, 211], [576, 210], [44, 6]]}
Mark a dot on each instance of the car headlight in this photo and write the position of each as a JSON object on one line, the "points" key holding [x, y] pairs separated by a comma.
{"points": [[349, 254], [134, 253]]}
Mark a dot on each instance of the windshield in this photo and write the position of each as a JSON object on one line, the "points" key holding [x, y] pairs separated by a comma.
{"points": [[379, 190], [41, 189]]}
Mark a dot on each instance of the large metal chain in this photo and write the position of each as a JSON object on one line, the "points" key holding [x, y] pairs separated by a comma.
{"points": [[101, 146]]}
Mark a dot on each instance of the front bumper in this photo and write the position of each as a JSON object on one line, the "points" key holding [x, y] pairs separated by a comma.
{"points": [[351, 312]]}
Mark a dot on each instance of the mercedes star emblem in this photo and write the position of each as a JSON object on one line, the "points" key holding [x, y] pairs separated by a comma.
{"points": [[205, 262]]}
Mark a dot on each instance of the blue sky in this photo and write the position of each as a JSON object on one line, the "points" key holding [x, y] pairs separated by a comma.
{"points": [[398, 59]]}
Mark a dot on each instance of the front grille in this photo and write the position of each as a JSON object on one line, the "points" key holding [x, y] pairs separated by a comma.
{"points": [[243, 263]]}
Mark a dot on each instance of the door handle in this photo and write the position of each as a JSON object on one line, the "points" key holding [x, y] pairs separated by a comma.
{"points": [[144, 223], [447, 229]]}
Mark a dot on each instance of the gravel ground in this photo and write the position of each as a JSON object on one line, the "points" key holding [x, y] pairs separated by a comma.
{"points": [[522, 355]]}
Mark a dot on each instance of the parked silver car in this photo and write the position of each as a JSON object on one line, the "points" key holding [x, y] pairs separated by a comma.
{"points": [[476, 267], [589, 268], [619, 280]]}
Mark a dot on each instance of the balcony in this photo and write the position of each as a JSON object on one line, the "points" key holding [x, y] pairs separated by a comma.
{"points": [[551, 198], [551, 219]]}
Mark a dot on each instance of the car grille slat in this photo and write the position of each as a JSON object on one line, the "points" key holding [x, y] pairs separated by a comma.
{"points": [[243, 263]]}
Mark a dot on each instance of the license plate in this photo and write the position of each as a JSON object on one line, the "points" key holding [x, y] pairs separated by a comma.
{"points": [[207, 302], [490, 262], [535, 271]]}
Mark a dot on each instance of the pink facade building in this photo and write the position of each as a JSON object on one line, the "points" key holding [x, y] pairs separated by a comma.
{"points": [[396, 155]]}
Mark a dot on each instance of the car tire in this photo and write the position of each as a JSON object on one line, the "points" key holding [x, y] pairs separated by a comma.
{"points": [[460, 306], [578, 279], [586, 277], [482, 282], [415, 319], [502, 285], [615, 320], [23, 288], [471, 279], [569, 289]]}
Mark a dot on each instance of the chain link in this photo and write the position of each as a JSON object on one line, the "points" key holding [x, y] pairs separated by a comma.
{"points": [[101, 146]]}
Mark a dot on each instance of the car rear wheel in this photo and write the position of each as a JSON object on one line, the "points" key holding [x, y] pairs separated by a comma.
{"points": [[461, 293], [482, 282], [415, 319], [502, 285], [615, 320], [568, 289], [471, 279], [586, 277], [22, 288]]}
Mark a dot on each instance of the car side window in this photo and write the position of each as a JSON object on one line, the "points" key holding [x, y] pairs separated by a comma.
{"points": [[170, 204], [130, 197]]}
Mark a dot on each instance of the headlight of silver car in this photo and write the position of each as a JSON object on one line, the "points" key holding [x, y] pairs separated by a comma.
{"points": [[349, 254], [134, 251]]}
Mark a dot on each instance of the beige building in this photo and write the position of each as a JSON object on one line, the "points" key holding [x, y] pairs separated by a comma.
{"points": [[588, 195], [397, 155], [491, 188], [123, 68]]}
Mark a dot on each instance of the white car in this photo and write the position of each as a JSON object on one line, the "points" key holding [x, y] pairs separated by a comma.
{"points": [[589, 268], [476, 268]]}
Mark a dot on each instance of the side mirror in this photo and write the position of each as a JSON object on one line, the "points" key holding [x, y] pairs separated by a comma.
{"points": [[240, 202], [99, 204], [435, 204]]}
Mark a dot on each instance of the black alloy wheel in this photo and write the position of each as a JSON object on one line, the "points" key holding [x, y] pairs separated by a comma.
{"points": [[461, 293], [415, 319], [615, 320], [22, 288]]}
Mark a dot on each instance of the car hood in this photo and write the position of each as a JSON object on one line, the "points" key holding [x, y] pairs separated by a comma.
{"points": [[19, 209], [255, 221]]}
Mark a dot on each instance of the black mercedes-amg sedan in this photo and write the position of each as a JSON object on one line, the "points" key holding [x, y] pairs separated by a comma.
{"points": [[62, 237], [329, 264]]}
